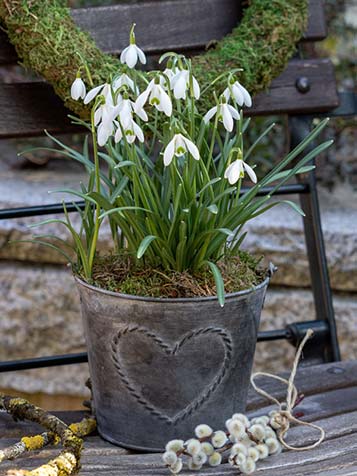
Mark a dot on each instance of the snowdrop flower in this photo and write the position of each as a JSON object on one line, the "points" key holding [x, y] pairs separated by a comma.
{"points": [[105, 89], [180, 83], [104, 131], [203, 431], [178, 146], [157, 96], [132, 53], [131, 130], [236, 169], [124, 80], [239, 94], [226, 114], [78, 89]]}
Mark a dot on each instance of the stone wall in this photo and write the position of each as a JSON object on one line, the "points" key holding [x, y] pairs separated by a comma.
{"points": [[39, 305]]}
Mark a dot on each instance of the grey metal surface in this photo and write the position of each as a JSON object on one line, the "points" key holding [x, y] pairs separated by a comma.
{"points": [[167, 364]]}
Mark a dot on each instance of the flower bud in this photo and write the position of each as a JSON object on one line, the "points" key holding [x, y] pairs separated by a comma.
{"points": [[176, 468], [236, 428], [237, 459], [203, 431], [219, 439], [169, 457], [193, 446], [273, 445], [253, 453], [215, 459], [263, 450], [248, 467], [200, 459], [242, 418], [258, 432], [262, 420], [174, 445], [192, 465], [239, 448], [207, 448]]}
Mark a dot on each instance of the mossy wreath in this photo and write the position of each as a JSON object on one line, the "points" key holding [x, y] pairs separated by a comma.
{"points": [[49, 43]]}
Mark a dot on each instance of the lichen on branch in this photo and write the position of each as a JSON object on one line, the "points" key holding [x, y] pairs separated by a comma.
{"points": [[68, 461], [48, 42]]}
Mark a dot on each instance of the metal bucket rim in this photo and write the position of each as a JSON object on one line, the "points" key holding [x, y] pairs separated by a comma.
{"points": [[132, 297]]}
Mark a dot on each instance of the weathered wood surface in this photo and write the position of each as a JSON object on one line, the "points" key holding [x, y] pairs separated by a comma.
{"points": [[167, 24], [29, 108], [331, 402]]}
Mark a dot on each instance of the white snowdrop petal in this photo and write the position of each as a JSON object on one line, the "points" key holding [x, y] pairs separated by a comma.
{"points": [[138, 132], [234, 112], [196, 88], [97, 116], [92, 94], [233, 172], [141, 55], [215, 459], [193, 150], [118, 135], [246, 95], [208, 116], [180, 88], [203, 431], [219, 439], [166, 103], [131, 57], [250, 172], [103, 133], [237, 94], [123, 54], [174, 445], [226, 118]]}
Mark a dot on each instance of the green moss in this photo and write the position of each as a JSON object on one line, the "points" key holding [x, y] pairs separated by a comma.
{"points": [[49, 43], [122, 273]]}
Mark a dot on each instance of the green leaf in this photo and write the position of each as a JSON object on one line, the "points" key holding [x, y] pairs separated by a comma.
{"points": [[125, 163], [121, 209], [285, 173], [218, 280], [144, 245], [213, 209]]}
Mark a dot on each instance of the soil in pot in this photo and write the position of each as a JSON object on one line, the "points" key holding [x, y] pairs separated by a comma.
{"points": [[123, 273]]}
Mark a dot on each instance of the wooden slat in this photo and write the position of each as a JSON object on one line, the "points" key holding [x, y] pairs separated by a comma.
{"points": [[335, 410], [29, 108], [165, 25]]}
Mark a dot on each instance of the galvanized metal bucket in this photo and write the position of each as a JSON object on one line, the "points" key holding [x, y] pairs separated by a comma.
{"points": [[159, 367]]}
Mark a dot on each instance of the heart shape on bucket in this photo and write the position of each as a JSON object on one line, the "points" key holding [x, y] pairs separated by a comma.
{"points": [[148, 366]]}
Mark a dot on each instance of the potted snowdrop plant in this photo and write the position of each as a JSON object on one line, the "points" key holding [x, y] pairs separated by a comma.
{"points": [[171, 315]]}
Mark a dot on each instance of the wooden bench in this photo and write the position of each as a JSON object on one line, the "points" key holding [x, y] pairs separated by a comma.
{"points": [[330, 401]]}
